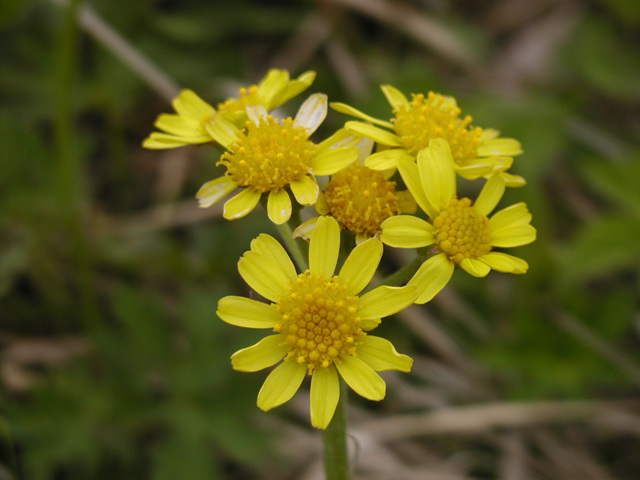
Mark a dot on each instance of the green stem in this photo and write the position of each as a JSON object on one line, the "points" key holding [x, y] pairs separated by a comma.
{"points": [[336, 463], [296, 252]]}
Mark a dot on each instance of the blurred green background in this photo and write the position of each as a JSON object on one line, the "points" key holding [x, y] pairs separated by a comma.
{"points": [[113, 362]]}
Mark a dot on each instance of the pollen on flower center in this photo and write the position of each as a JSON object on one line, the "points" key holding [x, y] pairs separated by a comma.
{"points": [[461, 232], [269, 156], [360, 199], [436, 117], [319, 320], [248, 96]]}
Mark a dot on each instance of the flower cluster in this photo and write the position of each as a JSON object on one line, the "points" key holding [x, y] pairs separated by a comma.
{"points": [[381, 181]]}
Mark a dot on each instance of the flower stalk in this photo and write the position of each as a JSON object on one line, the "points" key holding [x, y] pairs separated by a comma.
{"points": [[334, 438]]}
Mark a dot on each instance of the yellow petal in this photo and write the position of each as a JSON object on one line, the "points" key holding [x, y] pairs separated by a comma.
{"points": [[406, 231], [475, 170], [360, 265], [178, 125], [269, 247], [490, 195], [394, 96], [247, 313], [515, 236], [271, 87], [322, 206], [279, 206], [437, 175], [329, 162], [381, 355], [361, 378], [384, 301], [263, 275], [305, 190], [242, 204], [500, 146], [296, 86], [432, 276], [159, 141], [369, 324], [266, 353], [502, 262], [305, 228], [513, 181], [475, 267], [510, 217], [188, 104], [281, 384], [387, 159], [214, 191], [411, 177], [376, 134], [324, 246], [312, 113], [222, 130], [325, 393], [354, 112]]}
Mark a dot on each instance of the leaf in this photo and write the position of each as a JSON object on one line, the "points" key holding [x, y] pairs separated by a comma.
{"points": [[603, 246], [606, 61]]}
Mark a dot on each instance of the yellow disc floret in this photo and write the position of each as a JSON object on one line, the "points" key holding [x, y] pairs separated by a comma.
{"points": [[436, 117], [248, 96], [360, 199], [269, 156], [319, 320], [461, 232]]}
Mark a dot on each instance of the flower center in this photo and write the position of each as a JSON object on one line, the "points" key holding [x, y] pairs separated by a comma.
{"points": [[248, 96], [360, 199], [319, 320], [461, 232], [436, 117], [269, 156]]}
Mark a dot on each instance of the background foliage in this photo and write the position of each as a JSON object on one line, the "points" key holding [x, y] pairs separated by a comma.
{"points": [[113, 362]]}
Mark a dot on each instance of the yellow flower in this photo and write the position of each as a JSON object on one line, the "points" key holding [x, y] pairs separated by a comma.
{"points": [[273, 90], [270, 156], [459, 229], [188, 125], [185, 127], [359, 198], [476, 152], [320, 323]]}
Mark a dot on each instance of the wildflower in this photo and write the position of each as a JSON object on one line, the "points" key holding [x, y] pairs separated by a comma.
{"points": [[273, 90], [189, 125], [476, 152], [270, 156], [359, 198], [460, 230], [320, 323]]}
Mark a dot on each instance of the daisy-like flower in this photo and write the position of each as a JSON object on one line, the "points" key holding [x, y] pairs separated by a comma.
{"points": [[459, 229], [476, 152], [359, 198], [271, 155], [189, 125], [320, 323]]}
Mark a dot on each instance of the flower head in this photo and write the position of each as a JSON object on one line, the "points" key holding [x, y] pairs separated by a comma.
{"points": [[270, 156], [359, 198], [459, 230], [273, 90], [188, 125], [320, 323], [476, 152]]}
